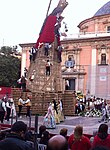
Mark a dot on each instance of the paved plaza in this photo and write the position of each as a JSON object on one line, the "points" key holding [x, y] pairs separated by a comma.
{"points": [[89, 123]]}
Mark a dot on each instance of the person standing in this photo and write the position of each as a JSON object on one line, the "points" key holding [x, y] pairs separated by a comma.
{"points": [[55, 111], [60, 111], [49, 120], [67, 85], [46, 46], [3, 111], [59, 53], [105, 113], [23, 83], [48, 65], [8, 108], [28, 107], [19, 83], [33, 54], [20, 105], [25, 72], [13, 109]]}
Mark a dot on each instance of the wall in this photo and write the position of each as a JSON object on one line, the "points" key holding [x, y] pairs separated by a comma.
{"points": [[40, 101]]}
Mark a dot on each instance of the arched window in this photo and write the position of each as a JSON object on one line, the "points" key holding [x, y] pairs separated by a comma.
{"points": [[103, 59]]}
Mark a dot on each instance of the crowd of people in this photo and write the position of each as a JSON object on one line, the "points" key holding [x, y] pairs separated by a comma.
{"points": [[93, 107], [21, 138], [8, 110]]}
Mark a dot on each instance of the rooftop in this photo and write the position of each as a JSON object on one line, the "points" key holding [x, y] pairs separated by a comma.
{"points": [[104, 10]]}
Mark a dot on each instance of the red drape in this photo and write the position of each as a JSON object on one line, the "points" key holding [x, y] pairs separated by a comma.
{"points": [[47, 35]]}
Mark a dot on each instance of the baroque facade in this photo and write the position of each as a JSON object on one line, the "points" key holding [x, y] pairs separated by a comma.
{"points": [[86, 57]]}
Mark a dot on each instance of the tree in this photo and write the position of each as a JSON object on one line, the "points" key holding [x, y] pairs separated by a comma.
{"points": [[9, 67]]}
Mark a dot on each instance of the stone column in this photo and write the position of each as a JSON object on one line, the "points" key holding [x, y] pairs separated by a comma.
{"points": [[23, 61], [93, 72]]}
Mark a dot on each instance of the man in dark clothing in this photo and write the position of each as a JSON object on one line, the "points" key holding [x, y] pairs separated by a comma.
{"points": [[46, 46], [8, 108], [15, 140], [2, 109], [42, 128], [23, 83]]}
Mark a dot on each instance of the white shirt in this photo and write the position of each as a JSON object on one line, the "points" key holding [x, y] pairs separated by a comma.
{"points": [[4, 106], [21, 101], [8, 105], [27, 101], [61, 107], [49, 63], [32, 77]]}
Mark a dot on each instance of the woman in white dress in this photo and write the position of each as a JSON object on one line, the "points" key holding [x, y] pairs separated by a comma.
{"points": [[49, 120]]}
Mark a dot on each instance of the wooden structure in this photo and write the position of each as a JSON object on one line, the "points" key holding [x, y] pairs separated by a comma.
{"points": [[43, 82], [40, 101]]}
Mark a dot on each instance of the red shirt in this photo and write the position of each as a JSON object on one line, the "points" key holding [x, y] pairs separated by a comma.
{"points": [[82, 144], [101, 142]]}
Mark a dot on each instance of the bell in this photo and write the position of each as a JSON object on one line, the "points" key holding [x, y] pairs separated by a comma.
{"points": [[66, 30]]}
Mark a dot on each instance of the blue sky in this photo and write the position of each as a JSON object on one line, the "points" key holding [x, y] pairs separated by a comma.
{"points": [[21, 20]]}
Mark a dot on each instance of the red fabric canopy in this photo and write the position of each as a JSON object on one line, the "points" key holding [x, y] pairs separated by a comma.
{"points": [[47, 35]]}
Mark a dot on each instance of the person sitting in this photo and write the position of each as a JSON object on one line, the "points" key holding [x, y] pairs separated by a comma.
{"points": [[15, 139], [42, 129], [29, 138], [102, 138], [63, 132], [92, 137], [45, 138], [57, 142], [78, 140]]}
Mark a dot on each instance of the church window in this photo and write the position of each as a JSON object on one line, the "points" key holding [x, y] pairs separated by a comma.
{"points": [[103, 59], [108, 29]]}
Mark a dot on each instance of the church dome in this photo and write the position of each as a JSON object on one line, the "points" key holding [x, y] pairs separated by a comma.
{"points": [[104, 10]]}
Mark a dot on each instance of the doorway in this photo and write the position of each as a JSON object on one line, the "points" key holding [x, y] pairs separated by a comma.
{"points": [[70, 85]]}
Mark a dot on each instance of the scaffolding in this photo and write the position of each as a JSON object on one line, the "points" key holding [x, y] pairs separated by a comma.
{"points": [[41, 81]]}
